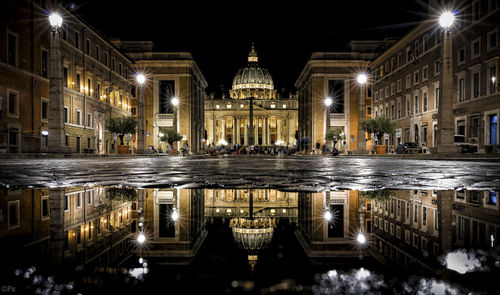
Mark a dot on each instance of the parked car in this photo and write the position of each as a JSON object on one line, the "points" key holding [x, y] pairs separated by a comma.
{"points": [[408, 148], [461, 141]]}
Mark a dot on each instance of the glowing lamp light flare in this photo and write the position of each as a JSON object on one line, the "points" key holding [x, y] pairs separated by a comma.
{"points": [[140, 79], [55, 20], [328, 216], [362, 79], [175, 215], [141, 238], [175, 101], [447, 19], [361, 238], [328, 101]]}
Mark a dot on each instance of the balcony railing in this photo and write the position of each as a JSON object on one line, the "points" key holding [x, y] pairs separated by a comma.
{"points": [[337, 116]]}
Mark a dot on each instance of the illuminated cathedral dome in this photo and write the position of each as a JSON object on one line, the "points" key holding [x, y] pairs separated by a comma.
{"points": [[253, 81]]}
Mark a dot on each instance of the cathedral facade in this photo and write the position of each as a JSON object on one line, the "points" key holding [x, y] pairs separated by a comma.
{"points": [[252, 99]]}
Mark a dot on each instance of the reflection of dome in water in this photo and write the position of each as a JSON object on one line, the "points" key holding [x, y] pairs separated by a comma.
{"points": [[253, 234], [253, 81]]}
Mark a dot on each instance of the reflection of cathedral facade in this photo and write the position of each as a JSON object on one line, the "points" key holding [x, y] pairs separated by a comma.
{"points": [[275, 119]]}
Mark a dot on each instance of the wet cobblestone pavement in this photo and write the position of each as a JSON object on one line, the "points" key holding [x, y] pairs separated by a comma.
{"points": [[291, 174]]}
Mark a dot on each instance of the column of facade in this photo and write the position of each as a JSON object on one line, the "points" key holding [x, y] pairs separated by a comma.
{"points": [[265, 131], [238, 121], [234, 130], [214, 125], [268, 134], [246, 132], [256, 131], [278, 129], [223, 129]]}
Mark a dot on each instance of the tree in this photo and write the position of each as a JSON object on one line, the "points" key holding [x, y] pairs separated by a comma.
{"points": [[379, 126], [121, 126], [121, 194], [334, 135], [171, 136]]}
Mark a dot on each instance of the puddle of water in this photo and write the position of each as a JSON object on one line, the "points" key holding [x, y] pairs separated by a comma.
{"points": [[257, 241]]}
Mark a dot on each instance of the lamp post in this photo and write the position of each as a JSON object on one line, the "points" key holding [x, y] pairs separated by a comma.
{"points": [[327, 102], [56, 137], [361, 147], [446, 130], [141, 134]]}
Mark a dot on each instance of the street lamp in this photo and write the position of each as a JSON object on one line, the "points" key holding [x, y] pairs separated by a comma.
{"points": [[175, 215], [362, 79], [175, 101], [328, 102], [56, 140], [141, 238], [327, 215], [446, 128], [361, 238], [141, 138]]}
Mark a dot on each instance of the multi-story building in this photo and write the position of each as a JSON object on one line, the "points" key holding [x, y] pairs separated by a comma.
{"points": [[227, 121], [169, 75], [96, 81], [333, 75], [65, 227], [406, 79]]}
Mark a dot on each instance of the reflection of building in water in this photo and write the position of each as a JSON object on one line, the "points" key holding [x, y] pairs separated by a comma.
{"points": [[337, 237], [76, 226], [413, 228], [173, 239], [235, 202], [406, 229], [477, 219]]}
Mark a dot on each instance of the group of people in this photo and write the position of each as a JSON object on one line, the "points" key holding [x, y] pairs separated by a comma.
{"points": [[236, 149]]}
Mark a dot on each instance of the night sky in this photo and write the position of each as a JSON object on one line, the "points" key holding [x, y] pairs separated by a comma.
{"points": [[219, 33]]}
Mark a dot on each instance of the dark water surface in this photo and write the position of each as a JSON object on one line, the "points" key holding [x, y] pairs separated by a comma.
{"points": [[98, 239]]}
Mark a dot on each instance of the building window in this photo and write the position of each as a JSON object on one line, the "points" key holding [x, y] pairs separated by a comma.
{"points": [[386, 91], [45, 208], [399, 110], [492, 81], [475, 85], [493, 120], [14, 214], [106, 58], [437, 67], [476, 10], [492, 198], [77, 40], [425, 73], [87, 47], [415, 214], [166, 90], [88, 142], [436, 220], [424, 135], [45, 110], [425, 43], [88, 88], [416, 77], [436, 97], [78, 200], [474, 127], [113, 63], [461, 127], [66, 113], [45, 64], [336, 92], [13, 104], [408, 108], [398, 85], [134, 111], [400, 60], [417, 102], [65, 77], [393, 88], [408, 54], [492, 40], [120, 68], [12, 49], [415, 240], [460, 227], [424, 216], [407, 236], [476, 48], [66, 139], [77, 82], [89, 198], [78, 117], [97, 53], [461, 89], [89, 120], [461, 56], [425, 107], [408, 81], [44, 138]]}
